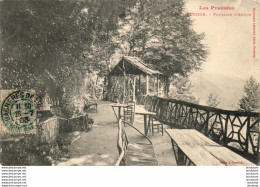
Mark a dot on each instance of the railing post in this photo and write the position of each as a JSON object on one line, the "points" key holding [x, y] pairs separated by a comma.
{"points": [[134, 89], [225, 130], [258, 154], [207, 124], [189, 113], [120, 144], [175, 114], [158, 84], [247, 133], [147, 84]]}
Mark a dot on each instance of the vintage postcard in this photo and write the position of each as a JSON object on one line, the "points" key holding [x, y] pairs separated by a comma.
{"points": [[130, 83]]}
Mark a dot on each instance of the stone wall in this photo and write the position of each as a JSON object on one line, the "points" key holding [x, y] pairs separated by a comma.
{"points": [[48, 130], [43, 147]]}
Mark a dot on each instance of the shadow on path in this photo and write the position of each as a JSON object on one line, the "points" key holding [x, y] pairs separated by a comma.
{"points": [[98, 147]]}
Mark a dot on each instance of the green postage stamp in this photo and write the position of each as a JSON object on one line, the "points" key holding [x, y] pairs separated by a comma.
{"points": [[18, 112]]}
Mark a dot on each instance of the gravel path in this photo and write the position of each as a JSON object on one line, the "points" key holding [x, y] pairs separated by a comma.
{"points": [[98, 147]]}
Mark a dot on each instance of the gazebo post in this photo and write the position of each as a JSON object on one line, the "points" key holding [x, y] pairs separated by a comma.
{"points": [[166, 84], [134, 89], [124, 74], [147, 84], [139, 86], [124, 89], [154, 83], [108, 87], [158, 84]]}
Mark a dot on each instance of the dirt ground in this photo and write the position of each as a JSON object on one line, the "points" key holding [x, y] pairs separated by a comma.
{"points": [[98, 147]]}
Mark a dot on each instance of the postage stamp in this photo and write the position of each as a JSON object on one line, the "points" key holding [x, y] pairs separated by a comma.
{"points": [[18, 112]]}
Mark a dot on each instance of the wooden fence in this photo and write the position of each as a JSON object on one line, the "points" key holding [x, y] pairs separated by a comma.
{"points": [[234, 129], [134, 153], [49, 130], [78, 123]]}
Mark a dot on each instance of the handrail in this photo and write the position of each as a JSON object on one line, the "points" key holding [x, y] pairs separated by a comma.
{"points": [[122, 141], [120, 158], [210, 109], [223, 126], [138, 131], [82, 115], [45, 121]]}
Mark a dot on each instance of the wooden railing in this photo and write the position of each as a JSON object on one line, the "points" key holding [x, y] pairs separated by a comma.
{"points": [[235, 129], [122, 143], [74, 124]]}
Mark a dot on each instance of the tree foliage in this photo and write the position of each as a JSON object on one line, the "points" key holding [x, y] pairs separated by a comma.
{"points": [[251, 100], [49, 46], [181, 89], [52, 35], [160, 33]]}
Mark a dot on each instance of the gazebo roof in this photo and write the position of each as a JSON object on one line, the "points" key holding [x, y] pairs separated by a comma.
{"points": [[133, 65]]}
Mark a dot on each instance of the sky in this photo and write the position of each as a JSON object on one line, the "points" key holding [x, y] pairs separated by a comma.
{"points": [[229, 38]]}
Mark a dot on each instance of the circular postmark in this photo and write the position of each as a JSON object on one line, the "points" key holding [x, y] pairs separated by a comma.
{"points": [[18, 112]]}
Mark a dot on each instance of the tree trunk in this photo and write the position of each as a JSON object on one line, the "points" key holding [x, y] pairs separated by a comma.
{"points": [[106, 87], [147, 84], [134, 88]]}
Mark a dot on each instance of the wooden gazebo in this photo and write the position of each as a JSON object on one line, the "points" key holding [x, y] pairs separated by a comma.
{"points": [[135, 67]]}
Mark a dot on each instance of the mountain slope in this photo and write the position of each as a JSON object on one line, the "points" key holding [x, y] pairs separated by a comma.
{"points": [[228, 89]]}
